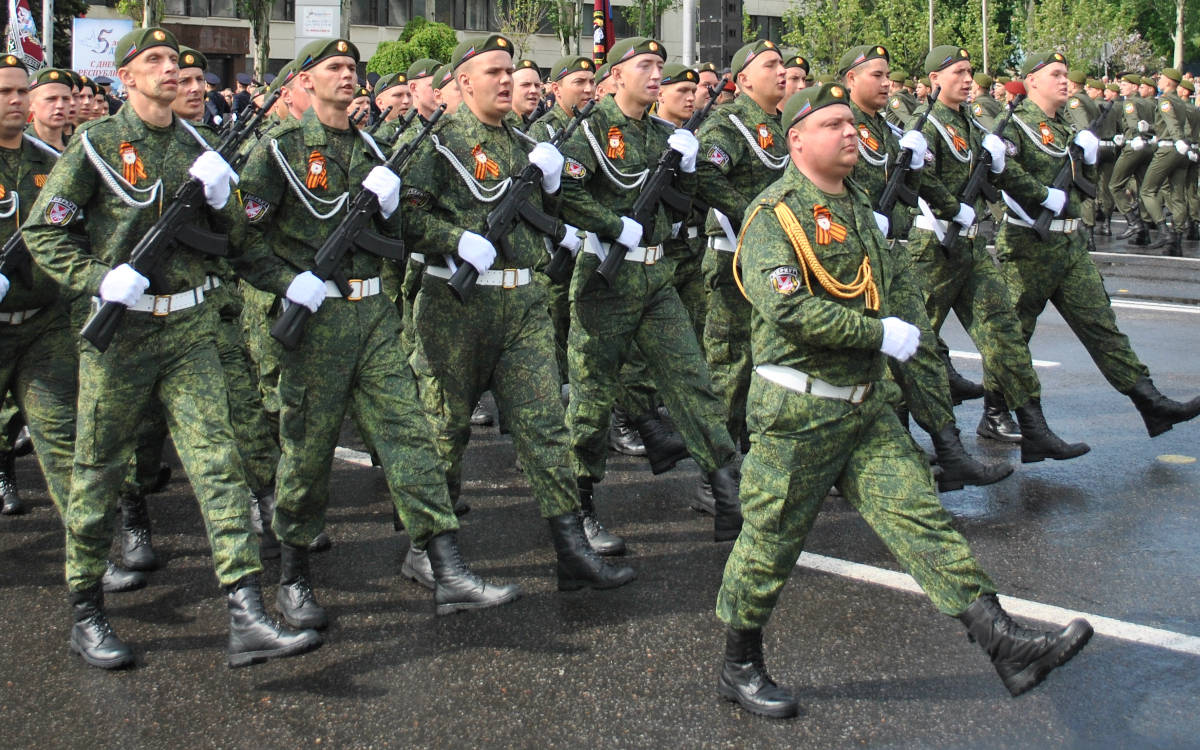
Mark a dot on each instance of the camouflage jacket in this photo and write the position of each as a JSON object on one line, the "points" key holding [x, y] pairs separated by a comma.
{"points": [[743, 149], [118, 173], [1080, 110], [986, 109], [900, 107], [878, 149], [23, 172], [1170, 119], [1040, 145], [1137, 108], [546, 126], [295, 188]]}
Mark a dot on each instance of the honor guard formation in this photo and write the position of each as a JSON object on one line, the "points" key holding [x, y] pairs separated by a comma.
{"points": [[745, 266]]}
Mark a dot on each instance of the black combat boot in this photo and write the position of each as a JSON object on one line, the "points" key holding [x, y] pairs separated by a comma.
{"points": [[961, 389], [268, 543], [458, 588], [255, 636], [9, 494], [959, 468], [117, 580], [727, 508], [295, 597], [744, 679], [1176, 248], [1104, 223], [623, 436], [578, 563], [1091, 239], [1022, 657], [417, 569], [1038, 441], [1133, 226], [1167, 238], [664, 447], [481, 417], [1159, 412], [92, 637], [136, 550], [23, 445], [602, 540], [1193, 231], [702, 498], [996, 423], [320, 543]]}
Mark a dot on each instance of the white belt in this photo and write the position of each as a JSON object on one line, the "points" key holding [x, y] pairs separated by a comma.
{"points": [[721, 244], [160, 305], [508, 278], [802, 382], [1060, 226], [18, 317], [417, 258], [693, 232], [1166, 143], [647, 256], [923, 222], [359, 288]]}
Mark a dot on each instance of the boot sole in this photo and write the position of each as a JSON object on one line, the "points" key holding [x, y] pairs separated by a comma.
{"points": [[1034, 458], [120, 662], [701, 507], [246, 658], [783, 712], [575, 584], [452, 607], [666, 464], [124, 589], [954, 483], [983, 432], [1033, 675]]}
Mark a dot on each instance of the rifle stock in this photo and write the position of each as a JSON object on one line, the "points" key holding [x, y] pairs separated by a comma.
{"points": [[1068, 174], [891, 191]]}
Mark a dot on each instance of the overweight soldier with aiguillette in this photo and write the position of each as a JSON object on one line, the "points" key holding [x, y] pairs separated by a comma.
{"points": [[821, 283], [499, 337], [1059, 269], [295, 187], [117, 173]]}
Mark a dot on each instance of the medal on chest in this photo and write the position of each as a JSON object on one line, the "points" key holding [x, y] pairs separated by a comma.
{"points": [[39, 180], [1047, 136], [616, 144], [317, 176], [765, 139], [827, 228], [868, 140], [132, 168], [484, 166], [960, 143]]}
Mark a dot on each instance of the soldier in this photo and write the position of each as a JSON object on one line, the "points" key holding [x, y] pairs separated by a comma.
{"points": [[709, 77], [1060, 270], [823, 290], [1131, 164], [51, 99], [446, 90], [500, 338], [923, 379], [921, 90], [164, 348], [983, 106], [607, 160], [420, 86], [1080, 110], [1106, 132], [294, 186], [966, 280], [527, 91], [604, 82], [1163, 183], [901, 103], [392, 96], [1192, 183], [241, 92], [795, 77]]}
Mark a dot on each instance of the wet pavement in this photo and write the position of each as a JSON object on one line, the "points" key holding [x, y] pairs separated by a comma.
{"points": [[1112, 533]]}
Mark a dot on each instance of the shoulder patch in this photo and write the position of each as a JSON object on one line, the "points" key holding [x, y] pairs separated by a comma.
{"points": [[415, 198], [1165, 106], [785, 280], [895, 104], [1073, 104], [60, 211], [978, 110], [1010, 147], [255, 207], [575, 169], [1129, 108], [717, 156]]}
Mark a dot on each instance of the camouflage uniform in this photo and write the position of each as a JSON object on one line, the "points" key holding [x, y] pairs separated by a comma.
{"points": [[1163, 183], [1131, 164], [986, 109], [900, 108], [1079, 111]]}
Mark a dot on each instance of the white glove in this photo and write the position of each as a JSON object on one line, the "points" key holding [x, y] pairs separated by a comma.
{"points": [[306, 289], [216, 175], [1192, 155], [476, 250], [572, 241], [1055, 200], [965, 216], [916, 141], [686, 144], [548, 159], [1138, 143], [4, 285], [124, 285], [1119, 139], [994, 145], [1143, 126], [1090, 144], [882, 222], [900, 339], [385, 184], [631, 233], [1181, 147]]}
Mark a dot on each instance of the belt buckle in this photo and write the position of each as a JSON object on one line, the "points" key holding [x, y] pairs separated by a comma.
{"points": [[649, 259], [162, 305], [356, 289], [504, 278]]}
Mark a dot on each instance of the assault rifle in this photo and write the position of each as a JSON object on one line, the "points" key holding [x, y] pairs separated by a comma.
{"points": [[895, 189], [1070, 174], [382, 119]]}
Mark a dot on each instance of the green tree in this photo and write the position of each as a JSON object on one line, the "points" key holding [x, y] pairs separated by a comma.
{"points": [[258, 12], [564, 18], [643, 17], [433, 40], [520, 19], [1080, 30]]}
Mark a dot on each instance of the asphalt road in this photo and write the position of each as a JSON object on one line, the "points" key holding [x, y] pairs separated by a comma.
{"points": [[1113, 533]]}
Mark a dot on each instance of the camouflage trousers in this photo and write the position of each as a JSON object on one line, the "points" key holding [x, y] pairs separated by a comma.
{"points": [[1126, 176], [800, 446], [39, 360], [172, 359], [642, 307], [350, 358], [264, 351], [727, 337], [1060, 271], [500, 340], [1163, 185], [971, 286], [688, 255]]}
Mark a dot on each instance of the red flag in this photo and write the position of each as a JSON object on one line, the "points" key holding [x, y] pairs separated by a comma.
{"points": [[23, 36], [602, 31]]}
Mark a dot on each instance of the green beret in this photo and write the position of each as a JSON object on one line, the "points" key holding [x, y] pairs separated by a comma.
{"points": [[1039, 60], [795, 61], [634, 46], [526, 65], [927, 82], [76, 81], [1133, 78], [748, 52], [1092, 83], [390, 80], [190, 58], [1186, 85], [139, 40], [1113, 87], [1077, 76], [47, 76], [284, 76], [898, 75], [12, 61], [361, 91], [1002, 80], [1147, 81], [710, 68], [943, 56], [678, 73], [442, 76], [323, 49], [468, 48], [806, 101], [856, 56], [983, 80], [422, 68], [565, 66], [602, 73], [1172, 73], [825, 78]]}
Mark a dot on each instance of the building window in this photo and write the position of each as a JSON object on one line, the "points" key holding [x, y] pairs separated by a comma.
{"points": [[769, 27], [474, 15], [283, 10], [223, 8]]}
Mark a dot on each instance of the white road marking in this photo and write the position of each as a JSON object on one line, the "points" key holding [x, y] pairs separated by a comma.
{"points": [[1156, 306], [1108, 626], [352, 457], [978, 357]]}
